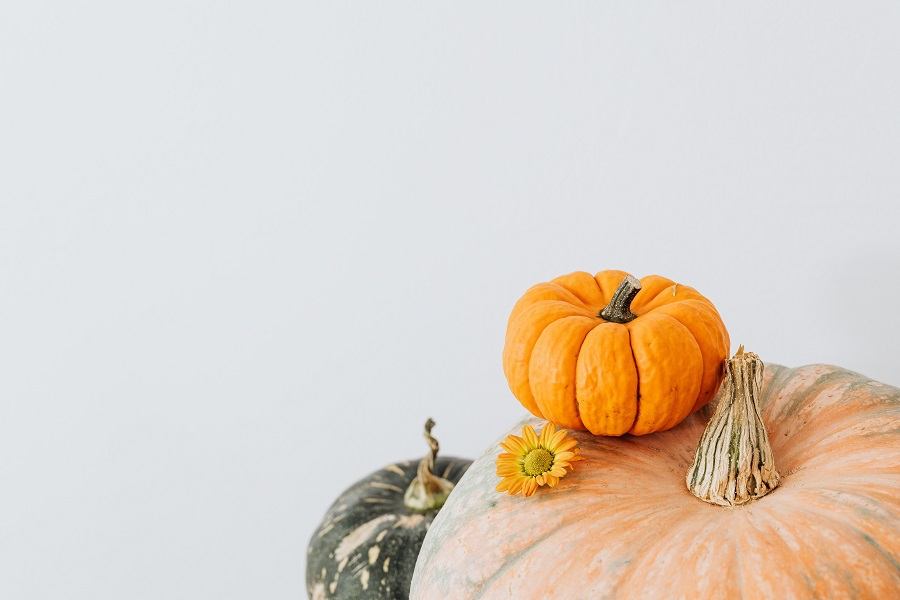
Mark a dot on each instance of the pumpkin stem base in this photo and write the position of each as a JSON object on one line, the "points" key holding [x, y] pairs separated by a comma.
{"points": [[619, 308], [734, 462], [427, 491]]}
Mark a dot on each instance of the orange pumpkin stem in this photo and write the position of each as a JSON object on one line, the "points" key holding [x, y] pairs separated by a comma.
{"points": [[619, 308], [427, 491]]}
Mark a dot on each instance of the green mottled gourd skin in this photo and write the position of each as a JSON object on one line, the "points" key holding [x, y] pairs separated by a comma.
{"points": [[367, 545]]}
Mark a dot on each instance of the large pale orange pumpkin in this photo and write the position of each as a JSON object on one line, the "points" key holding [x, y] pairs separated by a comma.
{"points": [[624, 525], [613, 354]]}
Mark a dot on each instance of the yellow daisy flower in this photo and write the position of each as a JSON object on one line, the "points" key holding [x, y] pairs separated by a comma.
{"points": [[531, 461]]}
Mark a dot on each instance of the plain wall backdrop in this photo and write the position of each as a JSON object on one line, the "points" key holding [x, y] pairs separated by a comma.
{"points": [[247, 248]]}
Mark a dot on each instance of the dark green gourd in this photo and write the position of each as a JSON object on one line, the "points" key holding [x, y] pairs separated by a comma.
{"points": [[368, 542]]}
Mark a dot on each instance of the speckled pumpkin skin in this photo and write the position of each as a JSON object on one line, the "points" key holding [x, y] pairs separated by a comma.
{"points": [[623, 524], [367, 544]]}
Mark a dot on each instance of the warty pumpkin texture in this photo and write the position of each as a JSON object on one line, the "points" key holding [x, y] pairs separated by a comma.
{"points": [[624, 525], [613, 354]]}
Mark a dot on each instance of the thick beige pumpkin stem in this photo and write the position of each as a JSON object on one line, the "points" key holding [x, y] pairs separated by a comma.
{"points": [[619, 308], [427, 491], [734, 461]]}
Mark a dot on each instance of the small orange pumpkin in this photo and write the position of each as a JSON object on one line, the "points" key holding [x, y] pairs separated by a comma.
{"points": [[613, 354]]}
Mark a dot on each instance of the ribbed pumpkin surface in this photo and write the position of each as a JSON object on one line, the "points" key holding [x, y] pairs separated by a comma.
{"points": [[566, 363], [623, 525]]}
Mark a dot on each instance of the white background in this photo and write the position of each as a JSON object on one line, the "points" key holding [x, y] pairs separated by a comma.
{"points": [[247, 248]]}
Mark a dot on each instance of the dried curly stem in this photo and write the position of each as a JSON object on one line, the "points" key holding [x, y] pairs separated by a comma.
{"points": [[427, 491]]}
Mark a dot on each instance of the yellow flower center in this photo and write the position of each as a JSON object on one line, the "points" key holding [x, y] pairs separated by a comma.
{"points": [[538, 461]]}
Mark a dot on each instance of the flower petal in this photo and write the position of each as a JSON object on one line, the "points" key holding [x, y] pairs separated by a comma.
{"points": [[564, 456], [530, 487], [558, 472], [547, 434], [558, 437], [530, 437], [508, 472], [516, 486], [514, 444], [552, 480], [566, 445]]}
